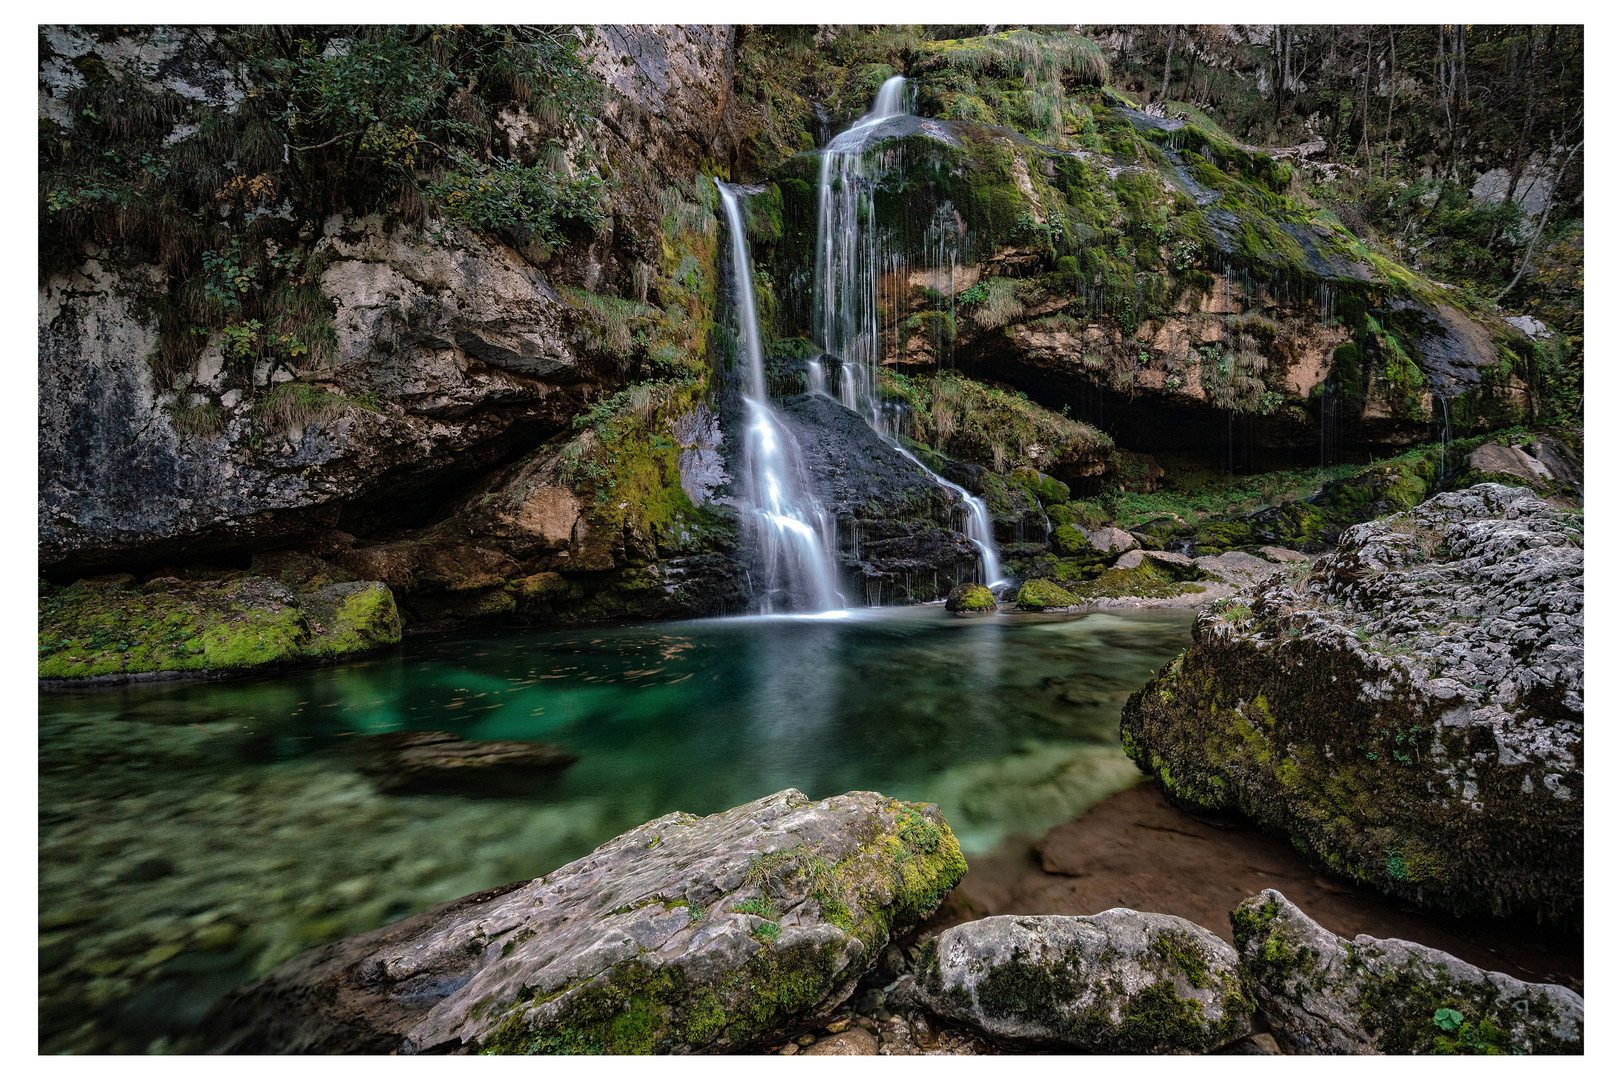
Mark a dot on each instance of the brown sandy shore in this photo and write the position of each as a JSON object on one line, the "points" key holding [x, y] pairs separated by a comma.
{"points": [[1135, 850]]}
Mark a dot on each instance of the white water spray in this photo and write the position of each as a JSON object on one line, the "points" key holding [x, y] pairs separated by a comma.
{"points": [[795, 533]]}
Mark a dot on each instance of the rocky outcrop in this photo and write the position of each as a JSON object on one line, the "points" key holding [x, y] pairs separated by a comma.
{"points": [[685, 934], [1544, 463], [449, 351], [1242, 306], [442, 762], [1121, 981], [895, 523], [427, 356], [1322, 994], [112, 629], [1408, 709], [1039, 594]]}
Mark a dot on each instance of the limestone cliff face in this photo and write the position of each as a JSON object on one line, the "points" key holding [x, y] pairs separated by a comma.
{"points": [[1149, 291], [452, 355], [450, 351]]}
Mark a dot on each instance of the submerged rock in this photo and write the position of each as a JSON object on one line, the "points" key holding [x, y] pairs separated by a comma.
{"points": [[1121, 981], [685, 934], [967, 598], [1408, 709], [419, 762], [1322, 994]]}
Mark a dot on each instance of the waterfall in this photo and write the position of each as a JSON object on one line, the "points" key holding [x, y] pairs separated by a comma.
{"points": [[976, 525], [795, 533], [851, 260]]}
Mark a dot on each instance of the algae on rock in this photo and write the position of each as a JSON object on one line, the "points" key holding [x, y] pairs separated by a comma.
{"points": [[1039, 594], [1118, 982], [101, 629], [1322, 994]]}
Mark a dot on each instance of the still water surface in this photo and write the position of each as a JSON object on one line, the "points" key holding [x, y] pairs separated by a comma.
{"points": [[195, 834]]}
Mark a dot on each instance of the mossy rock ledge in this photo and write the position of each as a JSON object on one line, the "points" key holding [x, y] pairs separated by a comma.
{"points": [[1322, 994], [1408, 709], [683, 935], [1121, 981], [114, 630]]}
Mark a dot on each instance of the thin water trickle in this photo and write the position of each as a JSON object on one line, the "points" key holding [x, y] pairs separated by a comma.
{"points": [[795, 534]]}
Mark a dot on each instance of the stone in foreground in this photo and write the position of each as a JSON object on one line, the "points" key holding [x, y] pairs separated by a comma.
{"points": [[1407, 709], [684, 935], [1121, 981], [1322, 994]]}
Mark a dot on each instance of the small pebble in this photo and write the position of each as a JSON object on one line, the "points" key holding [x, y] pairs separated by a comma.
{"points": [[806, 1040]]}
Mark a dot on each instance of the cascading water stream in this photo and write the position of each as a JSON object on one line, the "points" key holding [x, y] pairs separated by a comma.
{"points": [[850, 265], [795, 533]]}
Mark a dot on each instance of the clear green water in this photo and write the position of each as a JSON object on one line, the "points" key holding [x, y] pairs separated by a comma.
{"points": [[195, 834]]}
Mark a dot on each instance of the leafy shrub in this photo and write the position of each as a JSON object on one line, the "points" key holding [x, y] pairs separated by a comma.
{"points": [[506, 197]]}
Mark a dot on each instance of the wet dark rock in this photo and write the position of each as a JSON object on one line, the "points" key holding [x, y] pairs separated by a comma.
{"points": [[1322, 994], [442, 762], [149, 870], [895, 522], [1408, 709]]}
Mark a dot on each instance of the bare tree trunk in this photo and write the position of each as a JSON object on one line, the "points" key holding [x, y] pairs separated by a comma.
{"points": [[1534, 101], [1165, 81], [1333, 70], [1542, 221], [1368, 67], [1390, 101]]}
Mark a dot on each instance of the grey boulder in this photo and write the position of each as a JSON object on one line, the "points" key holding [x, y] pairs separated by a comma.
{"points": [[1322, 994], [683, 935], [1121, 981]]}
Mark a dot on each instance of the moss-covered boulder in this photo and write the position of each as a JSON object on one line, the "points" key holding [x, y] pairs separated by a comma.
{"points": [[1118, 982], [1071, 540], [969, 599], [1049, 491], [1408, 709], [1322, 994], [113, 628], [1039, 594], [685, 934]]}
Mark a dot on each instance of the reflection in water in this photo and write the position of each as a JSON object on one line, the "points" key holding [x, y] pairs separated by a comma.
{"points": [[194, 834]]}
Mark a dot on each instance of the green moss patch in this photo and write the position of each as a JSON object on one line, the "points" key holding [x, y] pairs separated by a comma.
{"points": [[1039, 594], [110, 628]]}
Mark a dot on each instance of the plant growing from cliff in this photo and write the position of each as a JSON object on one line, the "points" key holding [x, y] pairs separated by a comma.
{"points": [[528, 202], [299, 405]]}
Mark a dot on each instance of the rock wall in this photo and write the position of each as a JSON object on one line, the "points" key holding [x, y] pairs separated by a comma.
{"points": [[453, 356]]}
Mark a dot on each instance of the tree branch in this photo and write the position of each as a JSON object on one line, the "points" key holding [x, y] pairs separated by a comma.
{"points": [[329, 142]]}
